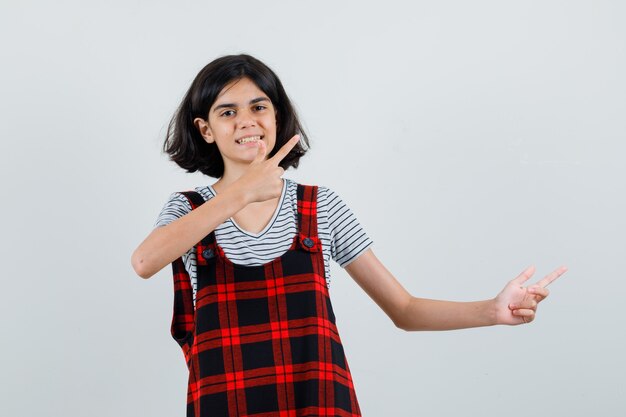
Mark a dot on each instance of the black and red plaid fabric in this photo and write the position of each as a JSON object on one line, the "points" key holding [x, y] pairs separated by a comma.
{"points": [[261, 340]]}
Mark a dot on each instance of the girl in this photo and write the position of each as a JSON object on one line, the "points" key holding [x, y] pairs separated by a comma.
{"points": [[250, 257]]}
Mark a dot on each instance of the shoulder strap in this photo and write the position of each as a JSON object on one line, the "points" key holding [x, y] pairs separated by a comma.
{"points": [[307, 217], [194, 197]]}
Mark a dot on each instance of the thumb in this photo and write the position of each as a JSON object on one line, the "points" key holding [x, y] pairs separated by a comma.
{"points": [[261, 151]]}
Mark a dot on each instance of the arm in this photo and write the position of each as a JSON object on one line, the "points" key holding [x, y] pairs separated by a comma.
{"points": [[513, 305], [166, 243]]}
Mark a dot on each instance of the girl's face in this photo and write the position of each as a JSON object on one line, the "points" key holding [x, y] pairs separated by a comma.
{"points": [[241, 111]]}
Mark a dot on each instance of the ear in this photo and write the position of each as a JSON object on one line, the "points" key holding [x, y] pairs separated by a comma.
{"points": [[204, 129]]}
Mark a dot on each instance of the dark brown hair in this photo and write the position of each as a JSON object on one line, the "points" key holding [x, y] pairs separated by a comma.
{"points": [[184, 143]]}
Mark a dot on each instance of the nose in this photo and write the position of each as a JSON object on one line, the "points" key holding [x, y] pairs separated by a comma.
{"points": [[245, 119]]}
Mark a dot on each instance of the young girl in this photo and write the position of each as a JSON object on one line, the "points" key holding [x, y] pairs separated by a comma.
{"points": [[250, 256]]}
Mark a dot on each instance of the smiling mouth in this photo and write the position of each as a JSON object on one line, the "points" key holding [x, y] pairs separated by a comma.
{"points": [[248, 139]]}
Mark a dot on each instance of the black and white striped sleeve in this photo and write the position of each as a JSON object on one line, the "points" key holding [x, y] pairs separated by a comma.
{"points": [[347, 238], [176, 206]]}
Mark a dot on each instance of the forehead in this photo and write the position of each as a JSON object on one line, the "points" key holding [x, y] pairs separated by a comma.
{"points": [[239, 91]]}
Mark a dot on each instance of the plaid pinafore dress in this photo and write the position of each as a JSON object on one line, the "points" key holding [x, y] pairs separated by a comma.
{"points": [[262, 340]]}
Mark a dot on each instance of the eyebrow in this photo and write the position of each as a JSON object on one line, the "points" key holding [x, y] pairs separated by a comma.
{"points": [[253, 101]]}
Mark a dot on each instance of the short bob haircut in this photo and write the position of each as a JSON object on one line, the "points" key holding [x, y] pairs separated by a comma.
{"points": [[184, 143]]}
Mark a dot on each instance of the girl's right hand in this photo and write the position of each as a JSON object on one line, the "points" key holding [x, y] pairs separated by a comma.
{"points": [[263, 181]]}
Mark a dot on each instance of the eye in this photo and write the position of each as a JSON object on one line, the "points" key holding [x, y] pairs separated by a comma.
{"points": [[227, 113], [260, 107]]}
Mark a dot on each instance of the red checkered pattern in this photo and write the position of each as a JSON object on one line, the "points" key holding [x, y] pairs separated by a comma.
{"points": [[262, 340]]}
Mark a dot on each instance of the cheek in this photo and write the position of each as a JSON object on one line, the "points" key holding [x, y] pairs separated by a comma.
{"points": [[270, 125], [223, 129]]}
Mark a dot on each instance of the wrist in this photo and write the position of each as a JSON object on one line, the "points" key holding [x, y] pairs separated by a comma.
{"points": [[238, 195], [492, 312]]}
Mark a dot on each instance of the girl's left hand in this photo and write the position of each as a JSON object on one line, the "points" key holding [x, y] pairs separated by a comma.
{"points": [[517, 304]]}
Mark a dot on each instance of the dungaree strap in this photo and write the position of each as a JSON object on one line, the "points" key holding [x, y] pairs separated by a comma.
{"points": [[307, 218], [194, 198]]}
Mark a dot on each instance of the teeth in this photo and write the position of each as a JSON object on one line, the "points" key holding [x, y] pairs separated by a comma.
{"points": [[249, 139]]}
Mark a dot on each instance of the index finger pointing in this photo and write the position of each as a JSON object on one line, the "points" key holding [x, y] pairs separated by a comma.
{"points": [[287, 147], [552, 276]]}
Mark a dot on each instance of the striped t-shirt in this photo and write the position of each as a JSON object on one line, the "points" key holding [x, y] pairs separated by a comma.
{"points": [[342, 237]]}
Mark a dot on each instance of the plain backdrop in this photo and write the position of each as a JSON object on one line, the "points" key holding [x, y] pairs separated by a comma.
{"points": [[470, 138]]}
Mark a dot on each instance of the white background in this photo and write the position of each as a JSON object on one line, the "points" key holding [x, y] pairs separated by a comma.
{"points": [[471, 140]]}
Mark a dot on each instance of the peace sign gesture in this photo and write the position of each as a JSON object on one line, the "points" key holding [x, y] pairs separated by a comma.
{"points": [[262, 181], [517, 304]]}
